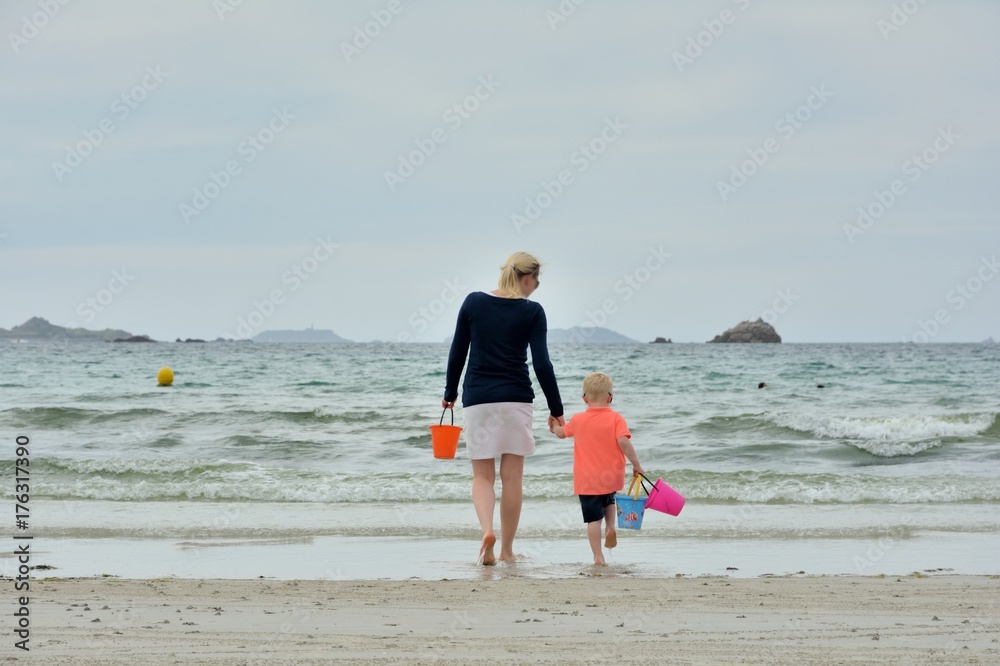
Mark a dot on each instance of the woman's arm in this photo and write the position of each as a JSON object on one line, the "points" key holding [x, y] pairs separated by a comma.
{"points": [[456, 357], [538, 344]]}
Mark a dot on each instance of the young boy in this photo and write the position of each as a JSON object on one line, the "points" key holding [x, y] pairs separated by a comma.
{"points": [[601, 442]]}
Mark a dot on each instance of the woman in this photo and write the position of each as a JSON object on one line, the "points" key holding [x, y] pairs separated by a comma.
{"points": [[495, 330]]}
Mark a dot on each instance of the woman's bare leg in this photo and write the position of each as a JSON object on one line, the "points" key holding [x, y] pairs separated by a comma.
{"points": [[484, 498], [511, 474]]}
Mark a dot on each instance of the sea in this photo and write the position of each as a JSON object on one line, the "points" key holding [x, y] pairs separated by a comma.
{"points": [[314, 461]]}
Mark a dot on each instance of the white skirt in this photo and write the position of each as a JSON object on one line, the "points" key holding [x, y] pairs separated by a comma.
{"points": [[495, 428]]}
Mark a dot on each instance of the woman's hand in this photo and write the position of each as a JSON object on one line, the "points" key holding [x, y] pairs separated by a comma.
{"points": [[447, 405], [556, 420]]}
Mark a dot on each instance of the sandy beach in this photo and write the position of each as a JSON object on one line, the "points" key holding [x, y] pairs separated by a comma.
{"points": [[912, 619]]}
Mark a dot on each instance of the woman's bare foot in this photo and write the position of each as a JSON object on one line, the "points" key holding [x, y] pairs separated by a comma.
{"points": [[486, 556], [610, 538], [508, 557]]}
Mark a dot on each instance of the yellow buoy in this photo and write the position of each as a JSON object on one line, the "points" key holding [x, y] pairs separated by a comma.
{"points": [[165, 376]]}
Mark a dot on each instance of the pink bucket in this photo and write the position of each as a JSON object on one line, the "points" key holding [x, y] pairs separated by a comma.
{"points": [[664, 499]]}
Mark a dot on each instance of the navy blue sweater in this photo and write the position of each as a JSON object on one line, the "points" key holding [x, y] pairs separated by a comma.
{"points": [[495, 333]]}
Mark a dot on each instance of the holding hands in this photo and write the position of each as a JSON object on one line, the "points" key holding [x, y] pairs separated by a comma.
{"points": [[554, 421]]}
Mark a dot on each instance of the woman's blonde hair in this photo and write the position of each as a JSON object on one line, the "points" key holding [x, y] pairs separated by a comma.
{"points": [[517, 266]]}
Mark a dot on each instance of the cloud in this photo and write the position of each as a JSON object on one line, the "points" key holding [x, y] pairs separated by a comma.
{"points": [[451, 220]]}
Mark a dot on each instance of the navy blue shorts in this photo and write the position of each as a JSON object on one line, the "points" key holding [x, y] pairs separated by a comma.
{"points": [[593, 506]]}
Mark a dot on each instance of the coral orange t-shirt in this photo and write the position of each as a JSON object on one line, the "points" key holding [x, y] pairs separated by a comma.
{"points": [[598, 461]]}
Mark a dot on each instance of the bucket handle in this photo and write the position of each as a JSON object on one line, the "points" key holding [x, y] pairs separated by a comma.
{"points": [[637, 484], [452, 416], [643, 480]]}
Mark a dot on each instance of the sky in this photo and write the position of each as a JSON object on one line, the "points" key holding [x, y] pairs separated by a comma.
{"points": [[206, 168]]}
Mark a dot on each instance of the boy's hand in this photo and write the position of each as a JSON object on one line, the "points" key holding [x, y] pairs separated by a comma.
{"points": [[637, 470]]}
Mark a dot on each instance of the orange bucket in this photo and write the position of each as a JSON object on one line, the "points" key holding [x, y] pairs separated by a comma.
{"points": [[444, 438]]}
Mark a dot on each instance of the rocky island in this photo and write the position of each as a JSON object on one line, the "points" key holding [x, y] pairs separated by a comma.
{"points": [[134, 338], [749, 331], [587, 334], [38, 328], [307, 335]]}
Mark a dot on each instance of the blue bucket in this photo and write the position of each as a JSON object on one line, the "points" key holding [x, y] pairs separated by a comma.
{"points": [[629, 511]]}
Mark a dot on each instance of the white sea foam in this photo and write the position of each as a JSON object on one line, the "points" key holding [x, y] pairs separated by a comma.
{"points": [[895, 449], [265, 484], [906, 429]]}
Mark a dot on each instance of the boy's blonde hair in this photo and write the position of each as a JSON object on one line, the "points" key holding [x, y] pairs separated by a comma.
{"points": [[597, 385], [517, 265]]}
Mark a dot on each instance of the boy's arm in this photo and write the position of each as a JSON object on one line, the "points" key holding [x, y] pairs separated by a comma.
{"points": [[558, 430], [625, 444]]}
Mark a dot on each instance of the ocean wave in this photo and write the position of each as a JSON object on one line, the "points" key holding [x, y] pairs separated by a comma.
{"points": [[743, 423], [63, 417], [210, 533], [912, 428], [994, 429], [171, 479], [883, 449]]}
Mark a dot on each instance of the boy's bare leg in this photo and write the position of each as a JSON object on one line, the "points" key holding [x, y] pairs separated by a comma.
{"points": [[594, 535], [484, 499], [511, 473], [610, 535]]}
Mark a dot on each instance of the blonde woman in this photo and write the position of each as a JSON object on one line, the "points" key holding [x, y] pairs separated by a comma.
{"points": [[494, 332]]}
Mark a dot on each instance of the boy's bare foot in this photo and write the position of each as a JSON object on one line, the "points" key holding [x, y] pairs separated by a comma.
{"points": [[486, 556], [610, 539], [599, 562]]}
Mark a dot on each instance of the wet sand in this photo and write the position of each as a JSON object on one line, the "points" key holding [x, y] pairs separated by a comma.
{"points": [[913, 619]]}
